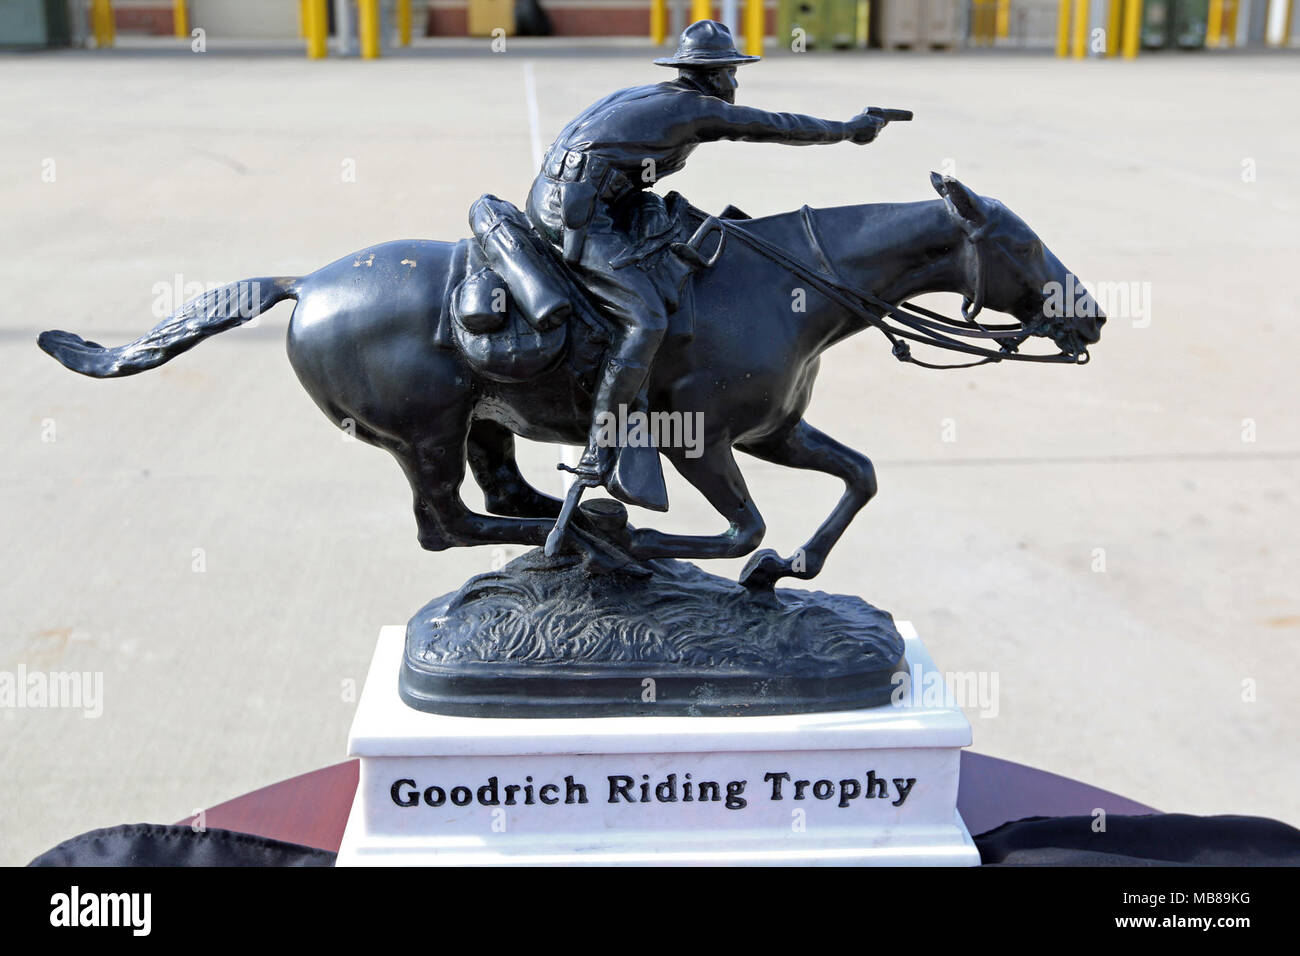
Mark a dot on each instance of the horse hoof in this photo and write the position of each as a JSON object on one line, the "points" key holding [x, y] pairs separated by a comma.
{"points": [[763, 570], [606, 515]]}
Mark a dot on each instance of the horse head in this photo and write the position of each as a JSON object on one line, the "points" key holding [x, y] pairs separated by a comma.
{"points": [[1010, 270]]}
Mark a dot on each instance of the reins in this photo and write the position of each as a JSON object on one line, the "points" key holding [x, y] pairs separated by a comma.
{"points": [[918, 324]]}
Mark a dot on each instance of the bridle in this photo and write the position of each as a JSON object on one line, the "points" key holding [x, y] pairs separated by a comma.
{"points": [[972, 306], [914, 323]]}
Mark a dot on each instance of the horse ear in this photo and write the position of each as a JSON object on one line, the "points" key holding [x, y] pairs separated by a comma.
{"points": [[937, 182], [967, 204]]}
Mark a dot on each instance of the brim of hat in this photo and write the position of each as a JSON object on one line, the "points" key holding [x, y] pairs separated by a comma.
{"points": [[706, 64]]}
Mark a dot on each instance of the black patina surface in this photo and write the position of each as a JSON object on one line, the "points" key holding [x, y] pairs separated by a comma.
{"points": [[403, 345]]}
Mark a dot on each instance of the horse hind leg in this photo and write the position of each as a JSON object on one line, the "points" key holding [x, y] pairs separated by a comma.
{"points": [[490, 449], [805, 447], [435, 468]]}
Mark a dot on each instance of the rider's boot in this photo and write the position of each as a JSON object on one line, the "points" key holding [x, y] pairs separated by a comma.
{"points": [[631, 474], [636, 475]]}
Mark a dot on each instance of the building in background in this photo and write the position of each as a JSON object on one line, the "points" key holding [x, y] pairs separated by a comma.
{"points": [[279, 19], [822, 24]]}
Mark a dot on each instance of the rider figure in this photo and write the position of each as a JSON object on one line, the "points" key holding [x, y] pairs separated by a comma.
{"points": [[594, 173]]}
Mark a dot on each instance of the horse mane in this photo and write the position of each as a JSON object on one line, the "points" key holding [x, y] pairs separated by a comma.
{"points": [[776, 223], [820, 236]]}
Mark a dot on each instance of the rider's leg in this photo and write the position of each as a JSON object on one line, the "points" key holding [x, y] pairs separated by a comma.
{"points": [[634, 303], [621, 380]]}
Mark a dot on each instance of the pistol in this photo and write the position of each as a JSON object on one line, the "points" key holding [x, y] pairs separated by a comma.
{"points": [[889, 116]]}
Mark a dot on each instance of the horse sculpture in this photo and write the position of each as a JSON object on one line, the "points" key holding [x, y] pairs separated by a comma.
{"points": [[362, 340]]}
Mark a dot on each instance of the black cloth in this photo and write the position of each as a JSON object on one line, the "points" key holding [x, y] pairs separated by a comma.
{"points": [[149, 844], [1169, 839], [1158, 839]]}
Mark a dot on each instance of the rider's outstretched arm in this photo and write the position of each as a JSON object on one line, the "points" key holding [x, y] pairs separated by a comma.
{"points": [[719, 119]]}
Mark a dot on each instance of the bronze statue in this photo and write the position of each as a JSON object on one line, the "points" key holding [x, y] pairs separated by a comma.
{"points": [[591, 201], [547, 321]]}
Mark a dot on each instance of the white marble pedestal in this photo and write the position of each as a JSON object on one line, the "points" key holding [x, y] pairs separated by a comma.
{"points": [[876, 787]]}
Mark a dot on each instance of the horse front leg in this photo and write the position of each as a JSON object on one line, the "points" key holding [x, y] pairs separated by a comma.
{"points": [[803, 446]]}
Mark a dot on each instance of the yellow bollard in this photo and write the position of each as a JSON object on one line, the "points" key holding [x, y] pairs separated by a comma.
{"points": [[101, 22], [1214, 24], [181, 18], [1230, 22], [979, 22], [658, 22], [404, 22], [755, 26], [368, 28], [1132, 41], [1063, 27], [1286, 23], [1079, 42], [1004, 19], [1114, 24], [862, 35], [701, 10], [316, 25]]}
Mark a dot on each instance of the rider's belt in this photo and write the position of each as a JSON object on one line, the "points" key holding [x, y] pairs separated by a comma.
{"points": [[572, 165], [583, 179]]}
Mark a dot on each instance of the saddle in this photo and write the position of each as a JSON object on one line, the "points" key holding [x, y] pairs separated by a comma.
{"points": [[514, 314], [519, 310]]}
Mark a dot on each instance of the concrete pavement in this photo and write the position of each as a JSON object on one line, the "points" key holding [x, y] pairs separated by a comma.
{"points": [[1117, 542]]}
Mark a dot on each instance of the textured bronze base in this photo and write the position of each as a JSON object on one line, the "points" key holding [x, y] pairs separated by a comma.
{"points": [[547, 638]]}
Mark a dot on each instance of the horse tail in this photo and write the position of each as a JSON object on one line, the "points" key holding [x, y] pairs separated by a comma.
{"points": [[200, 318]]}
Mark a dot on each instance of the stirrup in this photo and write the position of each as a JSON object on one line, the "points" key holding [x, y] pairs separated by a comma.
{"points": [[689, 251], [588, 476]]}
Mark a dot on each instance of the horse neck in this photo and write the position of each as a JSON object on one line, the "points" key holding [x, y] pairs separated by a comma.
{"points": [[893, 250]]}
